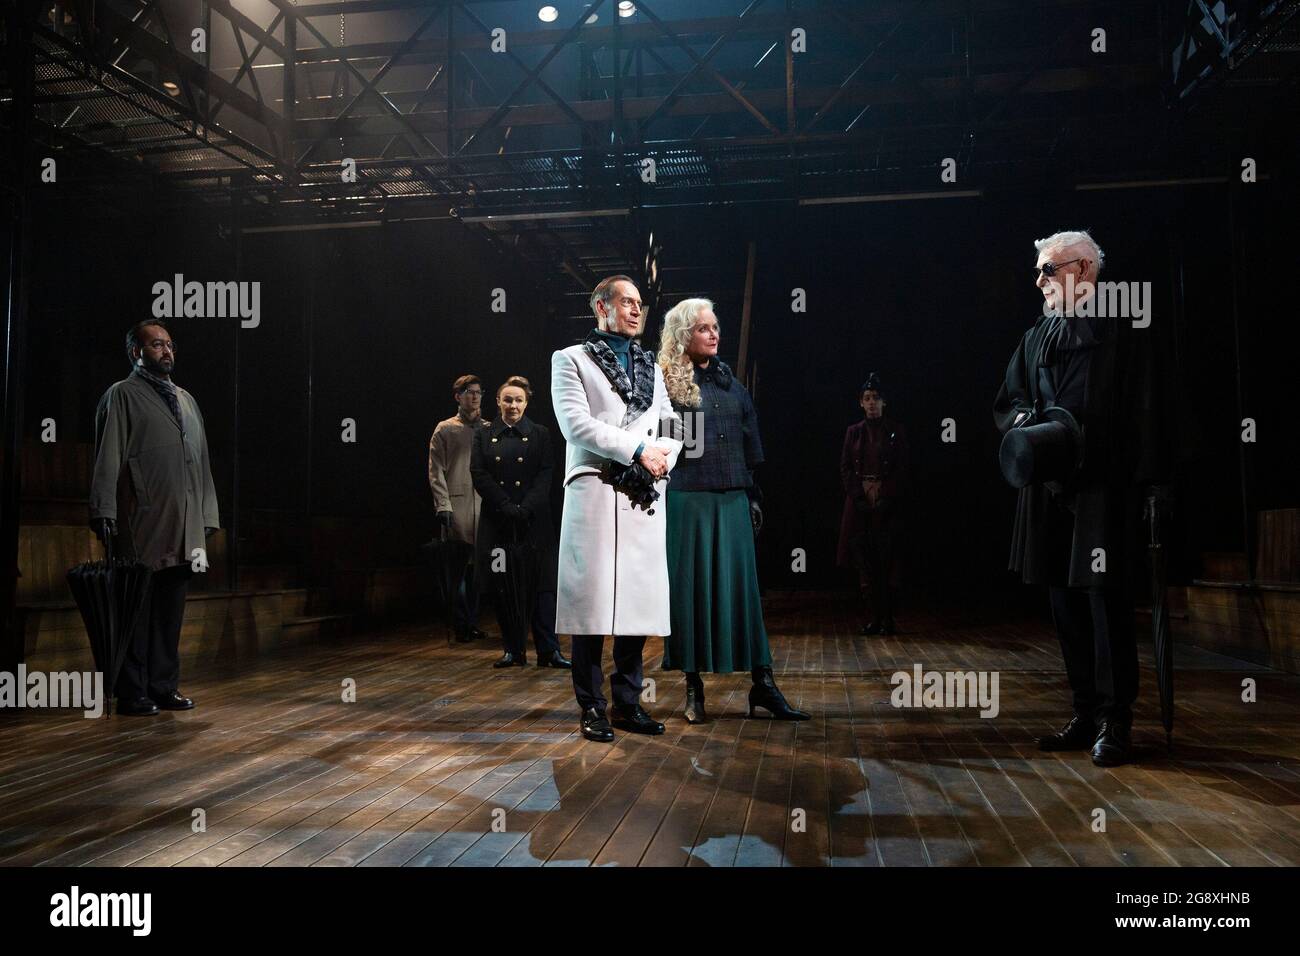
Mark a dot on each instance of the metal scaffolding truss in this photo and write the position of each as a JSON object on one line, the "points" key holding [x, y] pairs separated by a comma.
{"points": [[1242, 43], [562, 141]]}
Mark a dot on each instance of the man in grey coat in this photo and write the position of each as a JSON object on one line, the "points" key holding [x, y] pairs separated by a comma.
{"points": [[457, 503], [152, 500]]}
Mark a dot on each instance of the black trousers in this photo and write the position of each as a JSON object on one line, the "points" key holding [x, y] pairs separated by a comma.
{"points": [[873, 555], [1096, 630], [153, 666], [589, 678], [543, 627], [465, 606]]}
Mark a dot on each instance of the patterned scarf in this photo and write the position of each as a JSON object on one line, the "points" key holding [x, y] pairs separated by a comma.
{"points": [[165, 389], [638, 397]]}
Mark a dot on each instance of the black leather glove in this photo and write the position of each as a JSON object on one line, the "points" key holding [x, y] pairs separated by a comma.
{"points": [[444, 519], [756, 516], [104, 529]]}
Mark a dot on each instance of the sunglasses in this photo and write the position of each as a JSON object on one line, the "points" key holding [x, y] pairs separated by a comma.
{"points": [[1049, 268]]}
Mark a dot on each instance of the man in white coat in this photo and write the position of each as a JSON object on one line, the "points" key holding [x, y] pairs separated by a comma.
{"points": [[609, 399]]}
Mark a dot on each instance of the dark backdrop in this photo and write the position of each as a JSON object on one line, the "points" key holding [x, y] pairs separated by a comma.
{"points": [[373, 324]]}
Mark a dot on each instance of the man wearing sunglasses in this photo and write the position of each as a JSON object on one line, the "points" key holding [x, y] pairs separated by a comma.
{"points": [[152, 500], [1079, 533]]}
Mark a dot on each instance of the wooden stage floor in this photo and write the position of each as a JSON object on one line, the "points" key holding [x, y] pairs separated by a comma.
{"points": [[443, 761]]}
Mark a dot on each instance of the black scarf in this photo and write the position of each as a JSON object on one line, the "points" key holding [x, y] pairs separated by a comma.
{"points": [[638, 396], [721, 371]]}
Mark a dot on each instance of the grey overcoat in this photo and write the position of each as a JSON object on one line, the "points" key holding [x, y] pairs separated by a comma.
{"points": [[450, 447], [152, 475]]}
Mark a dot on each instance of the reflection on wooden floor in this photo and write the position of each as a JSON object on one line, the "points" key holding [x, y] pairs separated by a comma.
{"points": [[443, 761]]}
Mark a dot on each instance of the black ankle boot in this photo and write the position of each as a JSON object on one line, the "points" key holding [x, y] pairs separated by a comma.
{"points": [[765, 694], [695, 699]]}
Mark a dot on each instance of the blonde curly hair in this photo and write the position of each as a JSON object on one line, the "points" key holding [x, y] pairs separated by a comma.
{"points": [[678, 369]]}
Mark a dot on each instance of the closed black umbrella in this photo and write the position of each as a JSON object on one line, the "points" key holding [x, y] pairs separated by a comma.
{"points": [[111, 595], [516, 586], [449, 557], [1163, 644]]}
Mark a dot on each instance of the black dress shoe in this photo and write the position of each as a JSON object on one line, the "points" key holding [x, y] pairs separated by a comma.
{"points": [[510, 660], [1079, 734], [475, 634], [174, 701], [888, 628], [595, 726], [463, 636], [634, 720], [871, 628], [139, 707], [556, 660], [1113, 745]]}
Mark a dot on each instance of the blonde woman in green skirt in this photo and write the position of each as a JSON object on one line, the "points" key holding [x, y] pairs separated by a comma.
{"points": [[713, 514]]}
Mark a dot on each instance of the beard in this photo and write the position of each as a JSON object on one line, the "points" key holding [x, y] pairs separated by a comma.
{"points": [[160, 367]]}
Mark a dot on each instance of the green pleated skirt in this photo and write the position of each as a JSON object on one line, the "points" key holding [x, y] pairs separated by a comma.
{"points": [[717, 615]]}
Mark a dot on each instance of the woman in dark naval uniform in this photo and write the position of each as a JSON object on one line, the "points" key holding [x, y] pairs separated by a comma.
{"points": [[713, 516], [511, 468]]}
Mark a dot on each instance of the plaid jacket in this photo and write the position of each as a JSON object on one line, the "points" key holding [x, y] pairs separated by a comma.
{"points": [[721, 434]]}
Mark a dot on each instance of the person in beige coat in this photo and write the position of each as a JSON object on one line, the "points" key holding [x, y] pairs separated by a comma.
{"points": [[152, 500], [457, 503], [609, 397]]}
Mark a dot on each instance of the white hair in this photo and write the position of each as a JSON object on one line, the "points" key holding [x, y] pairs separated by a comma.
{"points": [[679, 371], [1070, 238]]}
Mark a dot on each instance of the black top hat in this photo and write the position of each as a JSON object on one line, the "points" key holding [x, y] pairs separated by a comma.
{"points": [[1047, 449]]}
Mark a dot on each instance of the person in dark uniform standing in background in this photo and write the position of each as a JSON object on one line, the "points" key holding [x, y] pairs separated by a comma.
{"points": [[874, 465], [511, 467], [152, 500]]}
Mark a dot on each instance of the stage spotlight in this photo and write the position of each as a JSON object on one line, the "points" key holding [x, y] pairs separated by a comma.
{"points": [[548, 14], [626, 8]]}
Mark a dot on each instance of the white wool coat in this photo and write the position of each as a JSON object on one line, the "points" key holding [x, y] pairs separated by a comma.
{"points": [[613, 567]]}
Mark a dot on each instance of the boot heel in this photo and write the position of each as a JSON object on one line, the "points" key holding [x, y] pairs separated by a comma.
{"points": [[765, 694]]}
